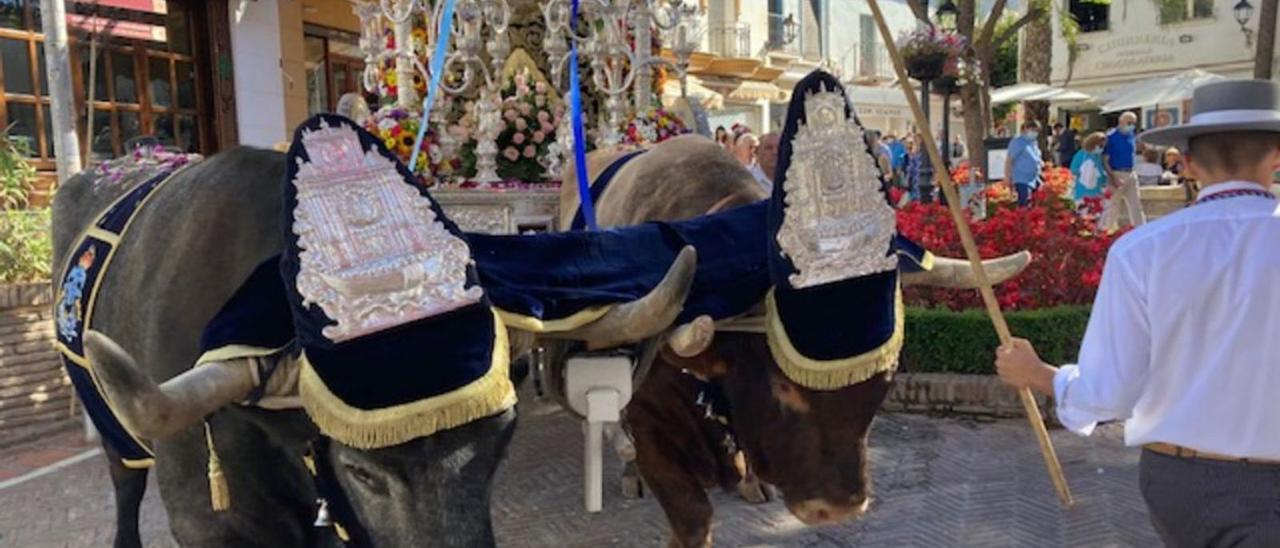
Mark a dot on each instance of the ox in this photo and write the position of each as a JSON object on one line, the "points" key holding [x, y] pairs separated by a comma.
{"points": [[810, 445], [186, 252]]}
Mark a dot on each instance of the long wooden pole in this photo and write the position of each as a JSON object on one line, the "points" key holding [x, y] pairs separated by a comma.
{"points": [[971, 250]]}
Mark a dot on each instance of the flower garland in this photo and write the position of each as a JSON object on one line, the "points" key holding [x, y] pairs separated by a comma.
{"points": [[149, 159]]}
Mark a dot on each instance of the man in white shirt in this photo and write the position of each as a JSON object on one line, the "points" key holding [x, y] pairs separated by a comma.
{"points": [[1184, 339]]}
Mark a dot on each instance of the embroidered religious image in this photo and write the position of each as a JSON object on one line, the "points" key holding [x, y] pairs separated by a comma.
{"points": [[372, 254], [836, 224], [70, 311]]}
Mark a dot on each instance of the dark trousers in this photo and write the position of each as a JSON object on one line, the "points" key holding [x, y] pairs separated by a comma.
{"points": [[1206, 503], [1024, 194]]}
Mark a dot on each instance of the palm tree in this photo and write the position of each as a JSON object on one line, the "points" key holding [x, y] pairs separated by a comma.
{"points": [[1036, 63], [1266, 41]]}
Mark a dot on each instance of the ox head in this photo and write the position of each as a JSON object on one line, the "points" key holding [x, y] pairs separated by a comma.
{"points": [[401, 362], [810, 444], [803, 395]]}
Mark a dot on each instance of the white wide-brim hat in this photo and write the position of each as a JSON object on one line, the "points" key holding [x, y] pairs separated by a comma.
{"points": [[1221, 107]]}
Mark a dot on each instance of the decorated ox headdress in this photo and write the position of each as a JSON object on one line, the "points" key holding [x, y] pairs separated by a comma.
{"points": [[398, 339], [835, 313]]}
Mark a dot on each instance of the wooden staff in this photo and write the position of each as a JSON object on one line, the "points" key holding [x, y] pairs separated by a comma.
{"points": [[971, 250]]}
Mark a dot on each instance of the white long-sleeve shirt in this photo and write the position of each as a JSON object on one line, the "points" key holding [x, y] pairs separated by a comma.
{"points": [[1184, 339]]}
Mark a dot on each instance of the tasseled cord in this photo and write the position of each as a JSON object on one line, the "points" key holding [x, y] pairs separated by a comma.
{"points": [[219, 494]]}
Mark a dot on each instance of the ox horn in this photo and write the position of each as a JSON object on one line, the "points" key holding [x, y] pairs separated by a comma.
{"points": [[645, 317], [153, 412], [956, 273], [693, 338]]}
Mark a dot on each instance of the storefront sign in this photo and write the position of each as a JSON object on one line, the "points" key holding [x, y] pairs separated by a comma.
{"points": [[1143, 50], [146, 6], [117, 28]]}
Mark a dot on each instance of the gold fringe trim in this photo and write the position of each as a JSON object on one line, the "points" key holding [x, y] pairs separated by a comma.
{"points": [[219, 493], [237, 351], [138, 464], [832, 374], [536, 325], [376, 428]]}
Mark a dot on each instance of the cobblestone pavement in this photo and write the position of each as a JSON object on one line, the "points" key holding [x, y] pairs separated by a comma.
{"points": [[939, 482]]}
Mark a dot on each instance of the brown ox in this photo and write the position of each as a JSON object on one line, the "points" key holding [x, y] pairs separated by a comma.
{"points": [[810, 445]]}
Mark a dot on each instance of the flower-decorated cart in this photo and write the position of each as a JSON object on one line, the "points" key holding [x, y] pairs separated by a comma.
{"points": [[498, 134]]}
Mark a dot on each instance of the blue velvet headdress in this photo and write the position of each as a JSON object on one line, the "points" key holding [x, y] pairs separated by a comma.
{"points": [[835, 313], [398, 340]]}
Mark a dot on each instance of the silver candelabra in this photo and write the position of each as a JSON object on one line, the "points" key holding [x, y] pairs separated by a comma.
{"points": [[479, 31], [619, 66]]}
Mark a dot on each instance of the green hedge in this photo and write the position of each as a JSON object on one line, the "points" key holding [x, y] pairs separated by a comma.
{"points": [[26, 246], [945, 341]]}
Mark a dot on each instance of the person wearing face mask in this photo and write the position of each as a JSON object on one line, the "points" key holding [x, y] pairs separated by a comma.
{"points": [[1023, 162], [1120, 154], [1087, 170]]}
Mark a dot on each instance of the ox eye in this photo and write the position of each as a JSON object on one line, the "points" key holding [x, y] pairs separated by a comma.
{"points": [[366, 478]]}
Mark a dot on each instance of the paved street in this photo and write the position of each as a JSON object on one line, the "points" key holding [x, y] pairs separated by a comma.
{"points": [[939, 482]]}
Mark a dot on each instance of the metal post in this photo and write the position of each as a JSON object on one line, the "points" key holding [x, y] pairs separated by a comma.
{"points": [[926, 169], [946, 127], [406, 95], [643, 79], [57, 60]]}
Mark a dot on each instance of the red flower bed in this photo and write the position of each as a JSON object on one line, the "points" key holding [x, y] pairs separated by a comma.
{"points": [[1067, 252]]}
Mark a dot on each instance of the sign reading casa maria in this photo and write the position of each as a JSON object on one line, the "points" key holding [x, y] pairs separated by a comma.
{"points": [[1150, 51]]}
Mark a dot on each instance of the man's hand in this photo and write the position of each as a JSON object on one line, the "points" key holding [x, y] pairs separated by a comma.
{"points": [[1020, 366]]}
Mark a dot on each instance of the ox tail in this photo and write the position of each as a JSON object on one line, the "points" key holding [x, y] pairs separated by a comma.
{"points": [[129, 484]]}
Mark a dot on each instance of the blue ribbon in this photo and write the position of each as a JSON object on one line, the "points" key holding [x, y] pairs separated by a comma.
{"points": [[437, 69], [579, 135]]}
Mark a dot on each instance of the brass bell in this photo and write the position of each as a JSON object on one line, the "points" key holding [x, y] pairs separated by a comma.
{"points": [[322, 513]]}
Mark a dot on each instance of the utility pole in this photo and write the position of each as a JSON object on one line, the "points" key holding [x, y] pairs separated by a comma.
{"points": [[57, 62], [1265, 57]]}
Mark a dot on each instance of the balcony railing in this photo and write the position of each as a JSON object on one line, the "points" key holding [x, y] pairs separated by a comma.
{"points": [[730, 40], [867, 61], [778, 39]]}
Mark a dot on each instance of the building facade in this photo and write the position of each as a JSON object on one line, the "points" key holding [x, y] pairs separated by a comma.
{"points": [[1128, 41]]}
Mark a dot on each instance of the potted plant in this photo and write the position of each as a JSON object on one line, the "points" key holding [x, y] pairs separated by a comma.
{"points": [[927, 50]]}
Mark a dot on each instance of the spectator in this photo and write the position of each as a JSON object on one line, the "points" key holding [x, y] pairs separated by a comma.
{"points": [[1087, 170], [722, 137], [1173, 163], [1119, 160], [957, 148], [1023, 162], [1066, 145], [1149, 171], [767, 159], [744, 149], [916, 157], [898, 157]]}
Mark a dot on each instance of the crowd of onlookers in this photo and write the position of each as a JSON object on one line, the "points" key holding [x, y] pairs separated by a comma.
{"points": [[1109, 166]]}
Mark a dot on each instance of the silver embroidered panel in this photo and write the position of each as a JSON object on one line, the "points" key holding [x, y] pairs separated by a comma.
{"points": [[836, 224], [372, 254]]}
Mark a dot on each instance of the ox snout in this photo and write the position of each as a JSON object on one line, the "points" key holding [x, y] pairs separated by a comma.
{"points": [[820, 512]]}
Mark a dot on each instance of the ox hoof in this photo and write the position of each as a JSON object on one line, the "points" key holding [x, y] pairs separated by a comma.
{"points": [[754, 491], [632, 483]]}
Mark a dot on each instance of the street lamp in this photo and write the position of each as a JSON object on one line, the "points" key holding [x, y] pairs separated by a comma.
{"points": [[947, 12], [1244, 11]]}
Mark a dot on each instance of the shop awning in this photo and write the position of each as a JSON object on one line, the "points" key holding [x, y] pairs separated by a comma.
{"points": [[1170, 90], [750, 90], [1036, 92], [709, 98]]}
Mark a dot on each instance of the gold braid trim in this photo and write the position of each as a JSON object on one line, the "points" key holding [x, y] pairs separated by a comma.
{"points": [[535, 325], [831, 374], [375, 428]]}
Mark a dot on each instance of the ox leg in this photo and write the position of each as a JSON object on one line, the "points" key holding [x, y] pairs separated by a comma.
{"points": [[130, 485], [751, 489], [682, 497]]}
